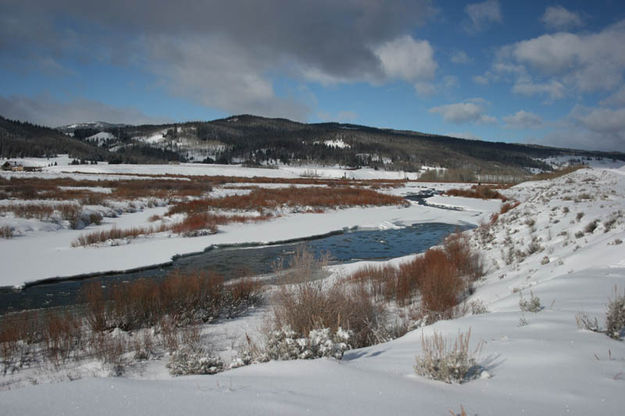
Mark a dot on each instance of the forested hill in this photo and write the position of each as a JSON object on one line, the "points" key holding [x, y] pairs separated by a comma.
{"points": [[265, 141]]}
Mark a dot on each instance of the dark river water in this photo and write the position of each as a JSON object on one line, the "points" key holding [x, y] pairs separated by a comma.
{"points": [[230, 261]]}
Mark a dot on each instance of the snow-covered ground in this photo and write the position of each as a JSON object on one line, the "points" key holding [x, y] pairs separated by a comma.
{"points": [[537, 362]]}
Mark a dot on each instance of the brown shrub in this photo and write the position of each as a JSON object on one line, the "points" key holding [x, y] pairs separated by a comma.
{"points": [[115, 234], [508, 206], [318, 197], [6, 232], [440, 275], [183, 298], [477, 191], [62, 334], [96, 308], [307, 306], [440, 285], [556, 173]]}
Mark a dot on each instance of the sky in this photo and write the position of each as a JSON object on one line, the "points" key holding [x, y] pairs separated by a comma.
{"points": [[548, 73]]}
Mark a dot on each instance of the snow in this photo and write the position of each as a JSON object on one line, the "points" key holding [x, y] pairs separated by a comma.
{"points": [[101, 137], [153, 138], [547, 366], [338, 143], [190, 169]]}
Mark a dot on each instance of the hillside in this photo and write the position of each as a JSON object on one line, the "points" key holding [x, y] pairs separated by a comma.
{"points": [[259, 141], [21, 139]]}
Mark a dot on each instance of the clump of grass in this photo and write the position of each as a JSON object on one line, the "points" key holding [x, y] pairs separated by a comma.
{"points": [[530, 305], [450, 363], [615, 316]]}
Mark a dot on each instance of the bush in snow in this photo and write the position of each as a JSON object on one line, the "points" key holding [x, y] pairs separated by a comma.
{"points": [[6, 232], [615, 316], [445, 362], [530, 305], [284, 344], [478, 307], [585, 322], [193, 359]]}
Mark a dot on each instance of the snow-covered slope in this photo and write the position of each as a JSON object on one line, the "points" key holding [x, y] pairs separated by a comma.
{"points": [[537, 363]]}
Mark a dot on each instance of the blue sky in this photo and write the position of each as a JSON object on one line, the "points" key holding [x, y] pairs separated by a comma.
{"points": [[534, 72]]}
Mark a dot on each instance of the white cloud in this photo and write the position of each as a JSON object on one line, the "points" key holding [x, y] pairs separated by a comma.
{"points": [[523, 120], [559, 18], [407, 59], [588, 62], [482, 14], [470, 111], [48, 111], [480, 79], [459, 57], [525, 86]]}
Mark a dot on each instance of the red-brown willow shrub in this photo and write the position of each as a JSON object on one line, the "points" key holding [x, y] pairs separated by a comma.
{"points": [[477, 191], [440, 275], [182, 298]]}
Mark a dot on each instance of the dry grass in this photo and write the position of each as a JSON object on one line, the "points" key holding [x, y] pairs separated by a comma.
{"points": [[440, 360], [316, 197], [478, 191], [116, 234], [195, 223], [152, 186]]}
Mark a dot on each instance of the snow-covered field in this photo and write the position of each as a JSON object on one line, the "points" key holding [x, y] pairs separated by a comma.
{"points": [[563, 243]]}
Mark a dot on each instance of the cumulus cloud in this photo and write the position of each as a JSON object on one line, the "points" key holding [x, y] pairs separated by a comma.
{"points": [[471, 111], [204, 49], [523, 120], [409, 60], [559, 18], [48, 111], [588, 62], [482, 14]]}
